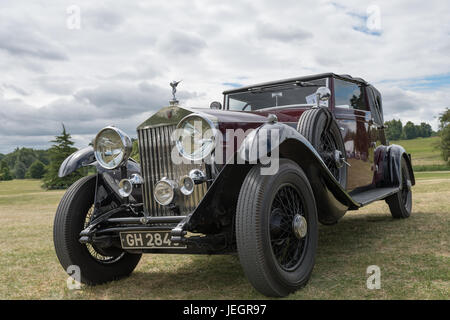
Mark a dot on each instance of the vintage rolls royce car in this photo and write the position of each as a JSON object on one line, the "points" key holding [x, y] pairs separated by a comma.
{"points": [[253, 175]]}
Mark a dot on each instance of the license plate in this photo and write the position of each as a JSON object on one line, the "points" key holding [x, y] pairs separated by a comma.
{"points": [[148, 240]]}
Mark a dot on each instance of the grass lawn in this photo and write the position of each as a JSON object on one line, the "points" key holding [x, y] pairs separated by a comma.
{"points": [[424, 153], [413, 254]]}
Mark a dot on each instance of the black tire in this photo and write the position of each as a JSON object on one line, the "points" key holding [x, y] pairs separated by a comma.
{"points": [[255, 227], [400, 204], [319, 127], [70, 219]]}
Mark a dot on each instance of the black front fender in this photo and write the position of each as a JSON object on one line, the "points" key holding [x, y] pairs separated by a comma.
{"points": [[85, 157], [81, 158]]}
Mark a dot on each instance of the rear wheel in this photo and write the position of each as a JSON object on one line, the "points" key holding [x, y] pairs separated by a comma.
{"points": [[318, 126], [276, 229], [400, 204], [74, 213]]}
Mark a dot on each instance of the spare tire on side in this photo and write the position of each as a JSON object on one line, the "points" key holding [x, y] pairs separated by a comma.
{"points": [[320, 128]]}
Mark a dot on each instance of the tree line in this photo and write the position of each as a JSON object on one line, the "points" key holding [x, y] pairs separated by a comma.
{"points": [[444, 133], [23, 163], [396, 131], [28, 163]]}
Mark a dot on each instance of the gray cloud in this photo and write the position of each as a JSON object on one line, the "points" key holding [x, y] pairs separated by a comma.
{"points": [[21, 39], [181, 43], [121, 99], [103, 18], [142, 69], [398, 101], [413, 105], [116, 68], [84, 113], [16, 89], [282, 32]]}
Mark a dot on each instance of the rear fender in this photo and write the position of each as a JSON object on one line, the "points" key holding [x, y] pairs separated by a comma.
{"points": [[390, 164]]}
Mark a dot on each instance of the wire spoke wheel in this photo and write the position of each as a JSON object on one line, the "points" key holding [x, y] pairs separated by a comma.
{"points": [[95, 252], [287, 247], [320, 128], [97, 264], [327, 149], [276, 229]]}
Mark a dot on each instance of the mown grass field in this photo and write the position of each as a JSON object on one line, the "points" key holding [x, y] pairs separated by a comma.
{"points": [[424, 153], [413, 254]]}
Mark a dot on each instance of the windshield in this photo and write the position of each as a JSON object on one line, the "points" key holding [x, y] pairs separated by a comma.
{"points": [[297, 93]]}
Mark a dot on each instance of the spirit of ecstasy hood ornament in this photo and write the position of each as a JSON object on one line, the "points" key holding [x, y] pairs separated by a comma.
{"points": [[174, 85]]}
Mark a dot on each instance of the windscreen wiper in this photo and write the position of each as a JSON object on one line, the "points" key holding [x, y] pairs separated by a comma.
{"points": [[286, 85]]}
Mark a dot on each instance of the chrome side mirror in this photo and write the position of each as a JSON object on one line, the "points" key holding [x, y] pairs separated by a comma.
{"points": [[323, 93], [215, 105]]}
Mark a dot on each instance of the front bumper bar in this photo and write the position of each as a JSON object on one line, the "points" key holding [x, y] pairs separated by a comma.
{"points": [[145, 223]]}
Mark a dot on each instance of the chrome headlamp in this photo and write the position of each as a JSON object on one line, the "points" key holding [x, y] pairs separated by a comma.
{"points": [[112, 147], [196, 137]]}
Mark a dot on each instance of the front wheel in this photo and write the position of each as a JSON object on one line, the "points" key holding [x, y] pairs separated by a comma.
{"points": [[276, 229], [97, 265]]}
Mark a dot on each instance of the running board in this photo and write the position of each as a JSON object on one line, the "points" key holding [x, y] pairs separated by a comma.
{"points": [[369, 196]]}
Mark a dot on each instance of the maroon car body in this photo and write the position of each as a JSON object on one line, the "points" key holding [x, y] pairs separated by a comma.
{"points": [[203, 220]]}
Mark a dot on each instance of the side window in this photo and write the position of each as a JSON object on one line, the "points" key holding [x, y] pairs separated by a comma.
{"points": [[349, 95]]}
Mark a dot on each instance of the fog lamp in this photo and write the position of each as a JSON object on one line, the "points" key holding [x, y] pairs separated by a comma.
{"points": [[164, 191], [125, 188], [186, 185]]}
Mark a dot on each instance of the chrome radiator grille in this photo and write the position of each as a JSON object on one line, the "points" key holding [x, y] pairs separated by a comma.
{"points": [[155, 147]]}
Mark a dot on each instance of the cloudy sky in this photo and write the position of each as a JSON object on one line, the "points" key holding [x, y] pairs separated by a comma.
{"points": [[115, 68]]}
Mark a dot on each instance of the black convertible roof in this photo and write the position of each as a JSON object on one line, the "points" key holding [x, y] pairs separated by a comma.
{"points": [[374, 96], [304, 78]]}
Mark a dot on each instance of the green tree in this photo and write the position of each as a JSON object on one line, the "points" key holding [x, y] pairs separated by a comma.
{"points": [[5, 174], [425, 130], [409, 130], [444, 128], [62, 148], [135, 151], [20, 169], [36, 170], [42, 155], [394, 129], [27, 156]]}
